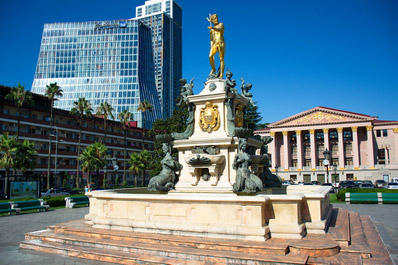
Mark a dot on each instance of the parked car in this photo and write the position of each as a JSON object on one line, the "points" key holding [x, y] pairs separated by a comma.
{"points": [[3, 196], [286, 183], [357, 183], [71, 192], [380, 184], [366, 186], [315, 182], [392, 185], [54, 192], [347, 184]]}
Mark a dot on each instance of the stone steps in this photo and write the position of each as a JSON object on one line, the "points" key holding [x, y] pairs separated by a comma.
{"points": [[350, 239], [379, 251], [339, 226], [121, 251], [77, 228], [359, 242]]}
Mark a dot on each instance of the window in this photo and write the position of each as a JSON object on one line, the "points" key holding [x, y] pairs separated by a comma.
{"points": [[382, 133], [333, 135], [319, 136], [347, 135], [381, 156]]}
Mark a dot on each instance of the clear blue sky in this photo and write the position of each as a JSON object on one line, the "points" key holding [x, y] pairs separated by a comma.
{"points": [[298, 54]]}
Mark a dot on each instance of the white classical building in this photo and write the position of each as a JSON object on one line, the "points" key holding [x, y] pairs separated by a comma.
{"points": [[361, 146]]}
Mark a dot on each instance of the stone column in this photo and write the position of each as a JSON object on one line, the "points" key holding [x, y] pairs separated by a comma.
{"points": [[273, 151], [286, 154], [313, 149], [395, 130], [370, 151], [326, 140], [299, 150], [355, 147], [341, 147]]}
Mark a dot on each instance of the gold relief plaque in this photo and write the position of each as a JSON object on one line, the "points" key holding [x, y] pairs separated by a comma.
{"points": [[318, 117], [209, 118], [239, 116]]}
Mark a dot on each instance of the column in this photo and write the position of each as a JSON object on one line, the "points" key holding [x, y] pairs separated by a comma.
{"points": [[326, 140], [370, 151], [273, 151], [299, 150], [313, 149], [355, 147], [395, 130], [341, 147], [286, 150]]}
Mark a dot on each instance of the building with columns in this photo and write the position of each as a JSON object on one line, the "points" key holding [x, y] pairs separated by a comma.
{"points": [[362, 147]]}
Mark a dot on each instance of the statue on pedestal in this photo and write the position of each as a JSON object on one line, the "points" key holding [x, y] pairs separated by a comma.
{"points": [[185, 91], [168, 177], [217, 44], [246, 181], [245, 91]]}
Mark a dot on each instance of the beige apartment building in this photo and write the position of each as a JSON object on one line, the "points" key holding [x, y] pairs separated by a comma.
{"points": [[362, 147]]}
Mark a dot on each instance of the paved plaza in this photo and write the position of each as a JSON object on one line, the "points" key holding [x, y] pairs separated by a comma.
{"points": [[13, 229]]}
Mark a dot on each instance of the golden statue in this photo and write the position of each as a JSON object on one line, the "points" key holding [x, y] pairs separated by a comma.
{"points": [[217, 44]]}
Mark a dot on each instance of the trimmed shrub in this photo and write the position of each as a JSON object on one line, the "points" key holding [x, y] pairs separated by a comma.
{"points": [[55, 201]]}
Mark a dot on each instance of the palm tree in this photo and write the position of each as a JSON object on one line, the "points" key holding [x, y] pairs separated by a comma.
{"points": [[26, 156], [93, 158], [52, 92], [20, 96], [136, 165], [8, 148], [146, 158], [80, 108], [144, 106], [124, 117], [105, 110]]}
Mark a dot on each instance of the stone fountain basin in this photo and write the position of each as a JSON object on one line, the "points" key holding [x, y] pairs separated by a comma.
{"points": [[301, 210]]}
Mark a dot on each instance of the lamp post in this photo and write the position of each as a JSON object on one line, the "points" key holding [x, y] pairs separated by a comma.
{"points": [[334, 166], [56, 149], [114, 164], [326, 163]]}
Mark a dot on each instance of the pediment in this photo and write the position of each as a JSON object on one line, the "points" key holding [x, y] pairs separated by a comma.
{"points": [[321, 115]]}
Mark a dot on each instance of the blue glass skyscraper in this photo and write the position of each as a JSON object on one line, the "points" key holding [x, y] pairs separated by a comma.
{"points": [[113, 61]]}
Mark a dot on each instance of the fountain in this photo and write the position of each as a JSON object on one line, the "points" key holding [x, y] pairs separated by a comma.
{"points": [[219, 203], [221, 186]]}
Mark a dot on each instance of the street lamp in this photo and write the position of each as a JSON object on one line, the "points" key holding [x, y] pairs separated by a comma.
{"points": [[334, 166], [326, 163], [56, 150]]}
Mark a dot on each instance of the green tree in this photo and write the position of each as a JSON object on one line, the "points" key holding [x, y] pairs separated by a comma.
{"points": [[52, 92], [20, 96], [93, 158], [146, 157], [8, 150], [26, 156], [105, 110], [81, 108], [125, 117], [136, 165], [144, 106], [167, 126], [252, 117]]}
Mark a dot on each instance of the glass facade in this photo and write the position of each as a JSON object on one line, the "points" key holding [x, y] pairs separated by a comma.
{"points": [[164, 17], [112, 61]]}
